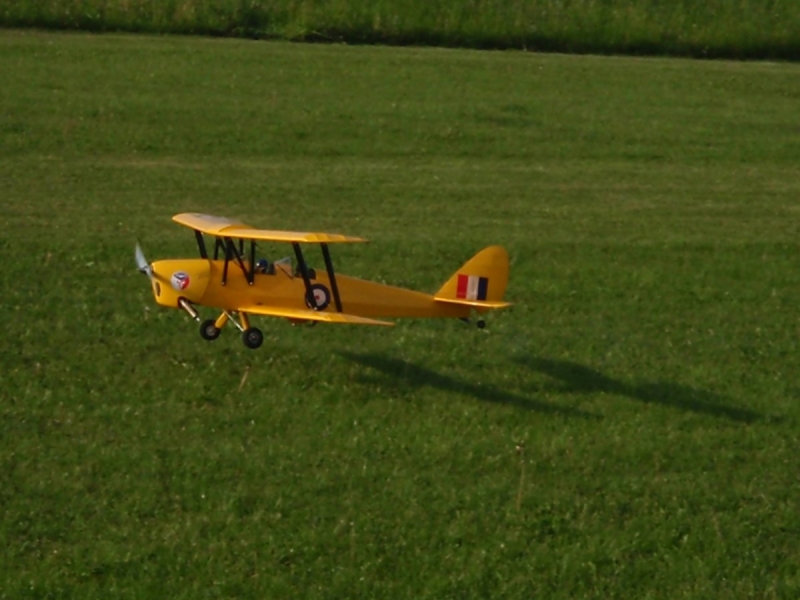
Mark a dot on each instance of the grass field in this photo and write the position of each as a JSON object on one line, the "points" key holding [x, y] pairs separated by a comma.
{"points": [[629, 429], [712, 28]]}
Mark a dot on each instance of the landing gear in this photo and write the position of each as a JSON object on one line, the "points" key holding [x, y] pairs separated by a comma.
{"points": [[209, 330], [252, 337]]}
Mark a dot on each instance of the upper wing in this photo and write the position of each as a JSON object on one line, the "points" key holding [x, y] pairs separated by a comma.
{"points": [[310, 315], [220, 226]]}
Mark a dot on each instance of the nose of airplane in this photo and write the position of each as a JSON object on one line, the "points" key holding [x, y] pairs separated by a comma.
{"points": [[176, 279]]}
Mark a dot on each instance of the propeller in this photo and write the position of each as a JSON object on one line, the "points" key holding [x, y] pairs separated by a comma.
{"points": [[142, 264], [145, 267]]}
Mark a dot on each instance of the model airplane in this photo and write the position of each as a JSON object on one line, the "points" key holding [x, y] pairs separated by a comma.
{"points": [[239, 285]]}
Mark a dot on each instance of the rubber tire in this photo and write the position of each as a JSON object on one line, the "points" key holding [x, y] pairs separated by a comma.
{"points": [[209, 330], [252, 338], [481, 324]]}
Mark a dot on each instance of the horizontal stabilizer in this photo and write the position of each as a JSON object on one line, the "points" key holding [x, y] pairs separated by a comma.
{"points": [[475, 303], [302, 314]]}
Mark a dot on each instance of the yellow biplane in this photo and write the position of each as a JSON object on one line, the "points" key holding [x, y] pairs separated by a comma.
{"points": [[233, 280]]}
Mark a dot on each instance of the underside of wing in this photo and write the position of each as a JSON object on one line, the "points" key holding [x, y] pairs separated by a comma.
{"points": [[300, 314], [475, 303], [223, 227]]}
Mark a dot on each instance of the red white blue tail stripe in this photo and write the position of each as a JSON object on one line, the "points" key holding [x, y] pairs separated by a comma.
{"points": [[472, 287]]}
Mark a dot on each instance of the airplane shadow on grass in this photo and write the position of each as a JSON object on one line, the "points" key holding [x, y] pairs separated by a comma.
{"points": [[579, 379], [415, 376]]}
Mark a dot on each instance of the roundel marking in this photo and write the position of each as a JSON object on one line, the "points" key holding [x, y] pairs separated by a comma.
{"points": [[180, 280], [322, 297]]}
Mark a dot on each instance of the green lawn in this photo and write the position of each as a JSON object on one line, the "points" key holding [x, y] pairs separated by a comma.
{"points": [[629, 429]]}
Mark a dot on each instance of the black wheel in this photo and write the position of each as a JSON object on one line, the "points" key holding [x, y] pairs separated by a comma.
{"points": [[481, 324], [209, 330], [252, 338]]}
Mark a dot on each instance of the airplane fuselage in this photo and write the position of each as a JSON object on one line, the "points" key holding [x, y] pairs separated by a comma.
{"points": [[201, 282]]}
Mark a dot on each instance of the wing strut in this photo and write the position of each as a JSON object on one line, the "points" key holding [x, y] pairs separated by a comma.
{"points": [[331, 276], [252, 262], [227, 260], [301, 264], [201, 244], [232, 252]]}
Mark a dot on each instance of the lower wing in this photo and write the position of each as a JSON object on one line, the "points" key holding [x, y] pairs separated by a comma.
{"points": [[310, 315]]}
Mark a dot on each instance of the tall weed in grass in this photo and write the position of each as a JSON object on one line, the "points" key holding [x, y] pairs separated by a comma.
{"points": [[716, 28]]}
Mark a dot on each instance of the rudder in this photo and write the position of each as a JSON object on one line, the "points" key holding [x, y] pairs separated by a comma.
{"points": [[482, 279]]}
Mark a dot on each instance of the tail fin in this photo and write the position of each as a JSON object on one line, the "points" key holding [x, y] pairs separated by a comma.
{"points": [[481, 282]]}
